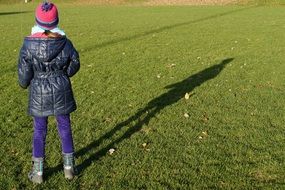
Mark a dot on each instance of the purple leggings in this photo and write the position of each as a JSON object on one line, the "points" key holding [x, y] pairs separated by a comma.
{"points": [[40, 131]]}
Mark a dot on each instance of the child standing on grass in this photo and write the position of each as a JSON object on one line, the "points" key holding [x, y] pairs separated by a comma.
{"points": [[47, 60]]}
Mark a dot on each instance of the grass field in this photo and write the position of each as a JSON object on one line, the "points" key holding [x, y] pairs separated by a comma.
{"points": [[137, 65]]}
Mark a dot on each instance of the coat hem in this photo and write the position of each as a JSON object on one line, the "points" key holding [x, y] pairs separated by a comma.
{"points": [[50, 114]]}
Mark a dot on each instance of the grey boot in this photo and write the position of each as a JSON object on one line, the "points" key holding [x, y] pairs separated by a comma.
{"points": [[36, 175], [69, 166]]}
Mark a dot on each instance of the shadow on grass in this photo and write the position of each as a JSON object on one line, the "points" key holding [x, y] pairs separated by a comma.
{"points": [[144, 115], [13, 13], [161, 29]]}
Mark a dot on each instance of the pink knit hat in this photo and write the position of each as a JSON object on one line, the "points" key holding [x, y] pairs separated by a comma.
{"points": [[47, 16]]}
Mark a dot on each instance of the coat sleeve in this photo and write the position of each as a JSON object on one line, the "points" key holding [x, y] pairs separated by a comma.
{"points": [[25, 69], [74, 64]]}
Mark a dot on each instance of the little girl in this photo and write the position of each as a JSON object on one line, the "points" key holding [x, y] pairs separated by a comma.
{"points": [[46, 62]]}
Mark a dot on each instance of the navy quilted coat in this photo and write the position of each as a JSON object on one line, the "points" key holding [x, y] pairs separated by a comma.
{"points": [[45, 66]]}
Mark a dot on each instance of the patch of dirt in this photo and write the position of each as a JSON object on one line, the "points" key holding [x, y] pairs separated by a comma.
{"points": [[101, 2], [163, 2], [194, 2]]}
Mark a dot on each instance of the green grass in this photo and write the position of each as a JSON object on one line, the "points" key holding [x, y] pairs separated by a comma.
{"points": [[230, 59], [266, 2]]}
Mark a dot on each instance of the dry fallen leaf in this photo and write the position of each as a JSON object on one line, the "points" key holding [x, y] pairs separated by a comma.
{"points": [[187, 96], [107, 119], [171, 65], [111, 151], [205, 118]]}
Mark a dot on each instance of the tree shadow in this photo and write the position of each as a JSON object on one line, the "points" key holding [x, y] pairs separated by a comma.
{"points": [[161, 29], [13, 13], [144, 115]]}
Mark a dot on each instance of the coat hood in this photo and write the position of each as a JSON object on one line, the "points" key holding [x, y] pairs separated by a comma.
{"points": [[45, 49]]}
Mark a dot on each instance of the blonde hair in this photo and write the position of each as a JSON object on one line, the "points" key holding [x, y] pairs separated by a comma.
{"points": [[51, 34]]}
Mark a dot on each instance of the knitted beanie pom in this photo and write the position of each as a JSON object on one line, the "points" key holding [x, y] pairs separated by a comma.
{"points": [[46, 6]]}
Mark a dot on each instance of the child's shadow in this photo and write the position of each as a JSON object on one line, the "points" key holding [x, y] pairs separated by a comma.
{"points": [[144, 115]]}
